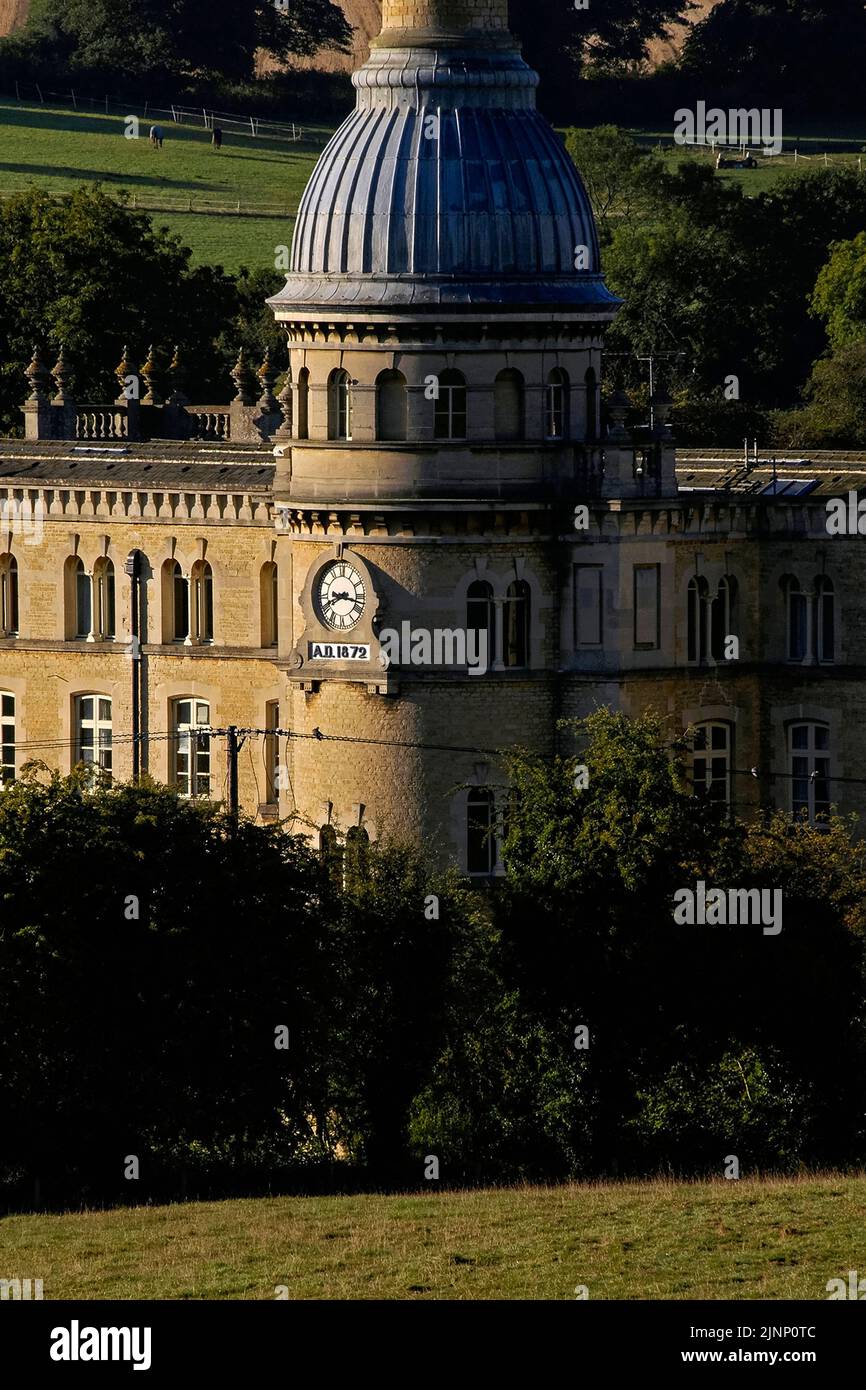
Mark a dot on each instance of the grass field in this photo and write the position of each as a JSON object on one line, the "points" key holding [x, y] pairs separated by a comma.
{"points": [[660, 1240], [56, 149]]}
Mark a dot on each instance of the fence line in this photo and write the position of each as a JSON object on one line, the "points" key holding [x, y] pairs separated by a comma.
{"points": [[199, 204], [199, 117]]}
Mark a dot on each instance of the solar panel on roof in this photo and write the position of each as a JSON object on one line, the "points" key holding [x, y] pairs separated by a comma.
{"points": [[789, 487]]}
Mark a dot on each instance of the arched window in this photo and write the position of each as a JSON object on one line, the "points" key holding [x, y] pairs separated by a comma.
{"points": [[795, 619], [272, 753], [269, 607], [556, 405], [357, 845], [331, 852], [92, 725], [190, 726], [449, 420], [391, 407], [201, 585], [480, 831], [175, 603], [7, 738], [480, 614], [303, 425], [591, 405], [508, 405], [825, 619], [516, 624], [339, 405], [809, 753], [711, 763], [722, 617], [79, 600], [8, 596], [697, 620], [103, 596]]}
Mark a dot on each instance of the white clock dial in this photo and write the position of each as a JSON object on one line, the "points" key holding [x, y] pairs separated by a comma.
{"points": [[342, 596]]}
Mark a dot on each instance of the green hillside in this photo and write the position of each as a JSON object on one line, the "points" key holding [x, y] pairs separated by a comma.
{"points": [[233, 206], [663, 1240]]}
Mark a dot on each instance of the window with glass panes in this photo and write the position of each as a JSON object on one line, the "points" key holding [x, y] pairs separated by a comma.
{"points": [[93, 731], [192, 774], [449, 420], [7, 738], [809, 746], [272, 751], [711, 763]]}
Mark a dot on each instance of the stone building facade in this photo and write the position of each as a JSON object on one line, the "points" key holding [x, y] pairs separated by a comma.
{"points": [[320, 569]]}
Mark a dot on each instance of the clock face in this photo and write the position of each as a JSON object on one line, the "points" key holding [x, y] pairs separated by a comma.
{"points": [[341, 595]]}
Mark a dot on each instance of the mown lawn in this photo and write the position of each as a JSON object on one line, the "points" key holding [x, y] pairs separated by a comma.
{"points": [[56, 149], [661, 1240]]}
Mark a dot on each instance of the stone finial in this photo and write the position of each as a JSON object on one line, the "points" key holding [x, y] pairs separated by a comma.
{"points": [[177, 374], [661, 404], [619, 405], [124, 369], [61, 374], [150, 374], [267, 376], [285, 404], [39, 377], [245, 384]]}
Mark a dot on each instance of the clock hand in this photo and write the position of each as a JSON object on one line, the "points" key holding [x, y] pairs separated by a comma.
{"points": [[335, 597]]}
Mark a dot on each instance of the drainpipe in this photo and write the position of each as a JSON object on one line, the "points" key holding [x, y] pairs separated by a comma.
{"points": [[133, 569]]}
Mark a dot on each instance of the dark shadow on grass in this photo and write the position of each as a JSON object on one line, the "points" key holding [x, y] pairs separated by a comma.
{"points": [[101, 176]]}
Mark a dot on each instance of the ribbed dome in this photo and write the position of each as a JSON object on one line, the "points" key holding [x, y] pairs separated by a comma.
{"points": [[445, 185]]}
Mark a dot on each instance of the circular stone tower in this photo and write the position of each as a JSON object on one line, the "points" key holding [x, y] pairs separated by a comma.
{"points": [[445, 312]]}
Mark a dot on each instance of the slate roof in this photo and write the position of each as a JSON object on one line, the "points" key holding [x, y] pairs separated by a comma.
{"points": [[193, 467]]}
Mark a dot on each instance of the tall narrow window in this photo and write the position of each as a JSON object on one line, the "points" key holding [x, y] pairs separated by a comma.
{"points": [[825, 619], [191, 743], [480, 614], [647, 612], [556, 405], [711, 763], [83, 601], [7, 738], [272, 752], [809, 751], [268, 604], [516, 624], [391, 406], [355, 863], [201, 583], [339, 405], [331, 853], [303, 430], [93, 731], [697, 620], [103, 591], [480, 831], [8, 596], [508, 405], [449, 420], [796, 607], [588, 591], [175, 603], [591, 405], [721, 617]]}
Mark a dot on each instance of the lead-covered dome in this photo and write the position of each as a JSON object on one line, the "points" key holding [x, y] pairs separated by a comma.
{"points": [[445, 185]]}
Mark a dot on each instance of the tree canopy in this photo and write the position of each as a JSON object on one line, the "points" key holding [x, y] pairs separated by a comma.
{"points": [[177, 38]]}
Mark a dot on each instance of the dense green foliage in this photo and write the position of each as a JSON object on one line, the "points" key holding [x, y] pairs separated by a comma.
{"points": [[424, 1018], [89, 272], [174, 40], [717, 285]]}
